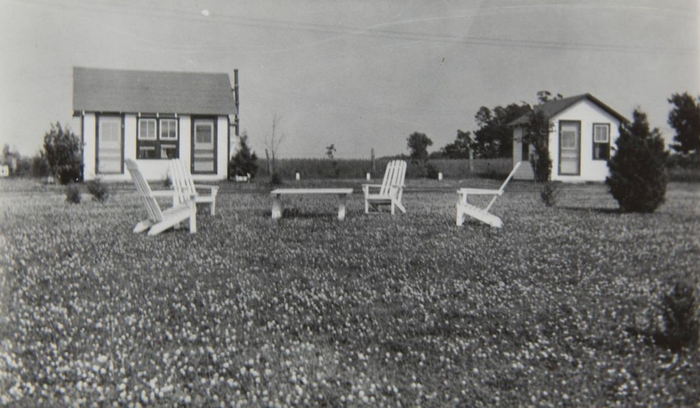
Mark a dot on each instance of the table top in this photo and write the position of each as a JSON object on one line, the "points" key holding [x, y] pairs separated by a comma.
{"points": [[278, 191]]}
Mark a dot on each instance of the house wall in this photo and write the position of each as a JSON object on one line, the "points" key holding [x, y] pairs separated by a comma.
{"points": [[587, 113], [152, 169], [525, 170]]}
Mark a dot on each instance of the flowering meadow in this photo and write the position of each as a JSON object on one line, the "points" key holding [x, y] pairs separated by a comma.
{"points": [[376, 310]]}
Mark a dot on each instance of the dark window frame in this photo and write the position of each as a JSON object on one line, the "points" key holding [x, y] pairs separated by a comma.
{"points": [[157, 143], [524, 151], [97, 140], [214, 120], [595, 149]]}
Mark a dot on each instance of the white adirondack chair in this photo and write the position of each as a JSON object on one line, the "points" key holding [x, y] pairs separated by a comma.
{"points": [[482, 214], [182, 179], [158, 220], [391, 189]]}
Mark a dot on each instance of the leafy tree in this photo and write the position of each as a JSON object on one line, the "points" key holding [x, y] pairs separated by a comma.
{"points": [[330, 151], [685, 119], [494, 138], [536, 134], [418, 146], [637, 170], [62, 152], [459, 149], [244, 162]]}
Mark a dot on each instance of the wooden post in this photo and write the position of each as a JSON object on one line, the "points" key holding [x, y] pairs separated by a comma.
{"points": [[471, 161], [269, 167]]}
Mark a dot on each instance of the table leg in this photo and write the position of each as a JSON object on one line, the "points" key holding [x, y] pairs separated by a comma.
{"points": [[276, 207], [341, 206]]}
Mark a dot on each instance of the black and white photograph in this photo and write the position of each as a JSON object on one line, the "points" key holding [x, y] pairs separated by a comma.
{"points": [[350, 203]]}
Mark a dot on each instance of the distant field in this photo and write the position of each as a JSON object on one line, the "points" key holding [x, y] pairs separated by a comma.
{"points": [[377, 310], [349, 169]]}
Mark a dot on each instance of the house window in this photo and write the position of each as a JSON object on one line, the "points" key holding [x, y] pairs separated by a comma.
{"points": [[157, 139], [601, 141]]}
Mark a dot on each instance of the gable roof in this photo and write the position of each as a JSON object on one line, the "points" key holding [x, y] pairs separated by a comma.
{"points": [[554, 107], [113, 90]]}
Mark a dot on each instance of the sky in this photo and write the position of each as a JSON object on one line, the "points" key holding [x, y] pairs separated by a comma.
{"points": [[360, 74]]}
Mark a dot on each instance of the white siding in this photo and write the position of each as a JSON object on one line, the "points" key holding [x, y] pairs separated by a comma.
{"points": [[154, 170], [89, 139]]}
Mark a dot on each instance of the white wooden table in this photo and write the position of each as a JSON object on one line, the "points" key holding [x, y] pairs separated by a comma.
{"points": [[277, 194]]}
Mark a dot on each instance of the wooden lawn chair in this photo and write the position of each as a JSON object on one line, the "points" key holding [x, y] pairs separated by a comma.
{"points": [[391, 189], [159, 221], [182, 178], [481, 214]]}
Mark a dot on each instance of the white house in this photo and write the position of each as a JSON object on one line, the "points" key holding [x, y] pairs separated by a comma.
{"points": [[152, 116], [582, 131]]}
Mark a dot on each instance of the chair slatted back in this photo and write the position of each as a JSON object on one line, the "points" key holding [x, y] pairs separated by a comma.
{"points": [[182, 182], [503, 186], [144, 190], [394, 176]]}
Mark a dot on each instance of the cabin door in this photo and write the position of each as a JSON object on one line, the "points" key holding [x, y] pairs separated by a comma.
{"points": [[570, 148], [203, 146]]}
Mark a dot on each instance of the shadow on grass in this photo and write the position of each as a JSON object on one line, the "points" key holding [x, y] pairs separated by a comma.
{"points": [[599, 210], [296, 213]]}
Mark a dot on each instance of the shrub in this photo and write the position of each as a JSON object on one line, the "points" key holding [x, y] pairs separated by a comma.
{"points": [[550, 193], [244, 161], [637, 170], [62, 152], [73, 193], [275, 179], [679, 312], [431, 171], [98, 190], [39, 166]]}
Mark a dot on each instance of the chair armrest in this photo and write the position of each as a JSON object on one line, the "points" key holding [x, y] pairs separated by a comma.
{"points": [[365, 187], [213, 190], [163, 193], [483, 191], [209, 186]]}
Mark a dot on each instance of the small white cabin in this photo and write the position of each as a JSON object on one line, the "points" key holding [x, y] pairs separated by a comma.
{"points": [[153, 116], [582, 131]]}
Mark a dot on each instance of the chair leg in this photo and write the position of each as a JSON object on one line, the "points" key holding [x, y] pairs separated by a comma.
{"points": [[400, 207], [366, 206], [213, 207], [276, 207], [193, 220], [142, 226], [460, 216]]}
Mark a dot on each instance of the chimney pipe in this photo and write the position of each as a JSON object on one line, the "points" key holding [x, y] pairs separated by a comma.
{"points": [[235, 96]]}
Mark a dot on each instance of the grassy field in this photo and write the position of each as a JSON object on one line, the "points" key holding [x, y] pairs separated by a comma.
{"points": [[373, 311]]}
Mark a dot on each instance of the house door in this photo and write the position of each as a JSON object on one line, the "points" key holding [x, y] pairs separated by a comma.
{"points": [[569, 148], [203, 146], [109, 145]]}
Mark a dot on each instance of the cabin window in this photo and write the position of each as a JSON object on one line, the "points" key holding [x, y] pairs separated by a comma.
{"points": [[601, 141], [157, 138]]}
